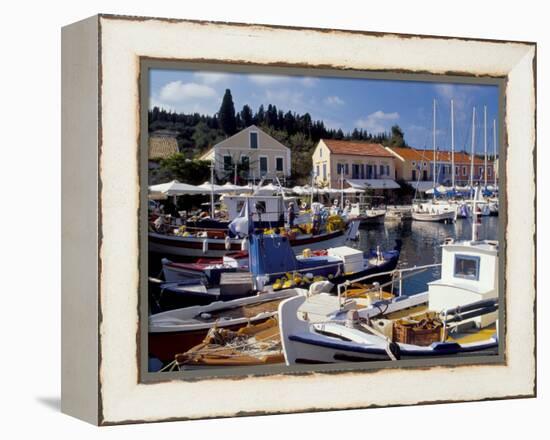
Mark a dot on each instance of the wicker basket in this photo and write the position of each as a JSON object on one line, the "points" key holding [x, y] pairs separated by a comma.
{"points": [[422, 330]]}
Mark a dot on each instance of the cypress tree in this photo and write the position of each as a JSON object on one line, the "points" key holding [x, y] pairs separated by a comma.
{"points": [[226, 114]]}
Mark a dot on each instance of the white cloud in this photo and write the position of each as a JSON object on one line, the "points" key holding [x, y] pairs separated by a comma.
{"points": [[309, 81], [212, 77], [334, 101], [378, 121], [178, 91], [265, 80]]}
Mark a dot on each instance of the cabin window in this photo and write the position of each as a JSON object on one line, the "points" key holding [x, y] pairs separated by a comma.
{"points": [[263, 165], [464, 171], [254, 140], [279, 164], [467, 267], [227, 163], [260, 207], [489, 171]]}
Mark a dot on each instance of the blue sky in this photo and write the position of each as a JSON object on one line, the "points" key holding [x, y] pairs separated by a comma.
{"points": [[346, 103]]}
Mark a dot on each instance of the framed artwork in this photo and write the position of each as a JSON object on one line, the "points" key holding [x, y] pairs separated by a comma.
{"points": [[262, 219]]}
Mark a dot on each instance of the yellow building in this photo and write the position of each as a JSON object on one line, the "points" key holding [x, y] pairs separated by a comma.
{"points": [[360, 164]]}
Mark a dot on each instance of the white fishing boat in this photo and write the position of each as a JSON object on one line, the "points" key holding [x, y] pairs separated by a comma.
{"points": [[434, 211], [456, 316]]}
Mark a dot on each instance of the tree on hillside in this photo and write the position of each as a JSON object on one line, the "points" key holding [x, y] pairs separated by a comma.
{"points": [[226, 114], [397, 138], [246, 116]]}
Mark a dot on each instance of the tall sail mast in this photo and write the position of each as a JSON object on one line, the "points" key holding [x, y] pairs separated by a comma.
{"points": [[435, 159], [494, 151], [473, 148], [485, 144], [453, 143]]}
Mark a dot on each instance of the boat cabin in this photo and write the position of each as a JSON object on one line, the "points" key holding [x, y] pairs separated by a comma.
{"points": [[469, 273], [272, 208]]}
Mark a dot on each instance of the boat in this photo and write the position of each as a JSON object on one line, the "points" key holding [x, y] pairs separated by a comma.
{"points": [[434, 211], [398, 214], [176, 331], [254, 344], [456, 316], [273, 266]]}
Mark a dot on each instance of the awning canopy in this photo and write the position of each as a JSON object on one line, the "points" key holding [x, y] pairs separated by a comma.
{"points": [[421, 186], [174, 188], [373, 183]]}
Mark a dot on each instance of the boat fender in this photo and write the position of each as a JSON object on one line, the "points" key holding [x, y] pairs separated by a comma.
{"points": [[244, 244], [227, 243], [205, 246]]}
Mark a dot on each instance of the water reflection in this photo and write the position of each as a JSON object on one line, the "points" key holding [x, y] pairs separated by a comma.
{"points": [[422, 243]]}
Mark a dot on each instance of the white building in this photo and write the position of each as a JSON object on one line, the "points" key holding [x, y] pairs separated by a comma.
{"points": [[264, 154]]}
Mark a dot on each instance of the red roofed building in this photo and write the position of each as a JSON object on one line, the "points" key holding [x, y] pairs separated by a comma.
{"points": [[414, 165], [363, 162]]}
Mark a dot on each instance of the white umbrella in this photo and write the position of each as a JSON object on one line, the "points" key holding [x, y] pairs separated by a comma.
{"points": [[352, 190], [174, 188], [207, 188]]}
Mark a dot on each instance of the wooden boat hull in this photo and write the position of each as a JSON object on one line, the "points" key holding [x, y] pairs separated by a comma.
{"points": [[194, 247], [165, 346]]}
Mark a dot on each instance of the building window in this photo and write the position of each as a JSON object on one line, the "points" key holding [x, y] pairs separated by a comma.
{"points": [[263, 165], [425, 164], [369, 171], [381, 170], [324, 171], [467, 267], [317, 171], [355, 171], [245, 166], [339, 168], [387, 170], [279, 164], [413, 175], [464, 170], [227, 163], [362, 171], [254, 140], [489, 171], [347, 169], [457, 171]]}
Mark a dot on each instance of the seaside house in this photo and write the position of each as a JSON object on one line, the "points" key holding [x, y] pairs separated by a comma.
{"points": [[360, 164], [256, 150], [416, 166]]}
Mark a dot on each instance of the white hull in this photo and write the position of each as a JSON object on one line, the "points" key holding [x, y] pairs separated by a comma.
{"points": [[449, 216]]}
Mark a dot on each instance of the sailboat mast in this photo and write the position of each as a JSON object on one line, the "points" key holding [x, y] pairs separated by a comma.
{"points": [[485, 144], [473, 149], [453, 142], [494, 152], [435, 159]]}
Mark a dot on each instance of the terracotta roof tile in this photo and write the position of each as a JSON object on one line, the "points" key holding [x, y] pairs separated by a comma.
{"points": [[356, 148], [427, 155]]}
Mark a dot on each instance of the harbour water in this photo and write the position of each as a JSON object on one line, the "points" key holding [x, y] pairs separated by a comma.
{"points": [[422, 243]]}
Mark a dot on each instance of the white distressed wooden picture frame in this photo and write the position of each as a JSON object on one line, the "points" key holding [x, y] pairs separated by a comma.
{"points": [[101, 59]]}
